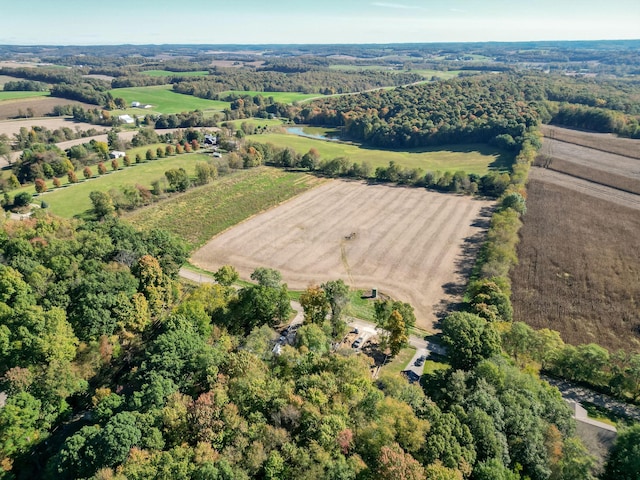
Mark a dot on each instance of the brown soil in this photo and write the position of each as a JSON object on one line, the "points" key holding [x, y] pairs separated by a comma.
{"points": [[41, 106], [412, 244], [9, 127], [579, 268], [598, 141]]}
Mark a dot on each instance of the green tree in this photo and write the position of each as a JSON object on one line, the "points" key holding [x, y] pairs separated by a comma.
{"points": [[226, 275], [469, 339], [267, 277], [393, 333], [624, 458], [178, 179], [315, 304], [102, 204]]}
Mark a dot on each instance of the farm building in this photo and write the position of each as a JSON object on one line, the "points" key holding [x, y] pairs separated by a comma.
{"points": [[126, 119], [116, 154], [135, 104], [210, 140]]}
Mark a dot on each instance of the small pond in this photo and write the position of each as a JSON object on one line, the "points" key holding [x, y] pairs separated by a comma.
{"points": [[331, 135]]}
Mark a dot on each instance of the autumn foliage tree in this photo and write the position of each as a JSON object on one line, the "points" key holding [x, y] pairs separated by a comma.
{"points": [[87, 172], [41, 185]]}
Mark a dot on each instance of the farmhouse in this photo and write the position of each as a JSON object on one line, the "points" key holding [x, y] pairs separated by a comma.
{"points": [[210, 140], [135, 104]]}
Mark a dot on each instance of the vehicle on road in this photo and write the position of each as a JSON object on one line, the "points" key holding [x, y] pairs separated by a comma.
{"points": [[420, 361]]}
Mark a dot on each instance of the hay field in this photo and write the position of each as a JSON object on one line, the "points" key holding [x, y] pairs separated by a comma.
{"points": [[411, 244]]}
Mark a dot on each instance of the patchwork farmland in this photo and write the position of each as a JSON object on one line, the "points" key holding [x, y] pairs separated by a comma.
{"points": [[411, 244]]}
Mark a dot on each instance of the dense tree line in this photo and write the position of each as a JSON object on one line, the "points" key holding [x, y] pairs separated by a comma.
{"points": [[25, 86], [460, 111], [91, 91], [310, 81]]}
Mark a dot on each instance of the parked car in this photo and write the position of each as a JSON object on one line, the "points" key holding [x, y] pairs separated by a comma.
{"points": [[357, 343], [356, 331], [420, 360]]}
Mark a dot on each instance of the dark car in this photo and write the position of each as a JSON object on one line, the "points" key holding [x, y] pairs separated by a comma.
{"points": [[420, 360], [358, 342]]}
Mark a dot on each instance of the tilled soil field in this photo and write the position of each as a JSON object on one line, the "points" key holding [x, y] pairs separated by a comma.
{"points": [[411, 244], [40, 106], [9, 127], [579, 268], [605, 142]]}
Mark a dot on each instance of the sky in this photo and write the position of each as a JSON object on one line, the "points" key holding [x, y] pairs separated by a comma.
{"points": [[92, 22]]}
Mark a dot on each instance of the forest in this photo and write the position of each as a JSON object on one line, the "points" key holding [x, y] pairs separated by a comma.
{"points": [[114, 369]]}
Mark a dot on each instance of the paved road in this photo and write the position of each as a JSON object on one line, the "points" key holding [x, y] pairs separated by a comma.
{"points": [[573, 392]]}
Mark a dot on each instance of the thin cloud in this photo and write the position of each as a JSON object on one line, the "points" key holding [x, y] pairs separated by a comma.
{"points": [[398, 6]]}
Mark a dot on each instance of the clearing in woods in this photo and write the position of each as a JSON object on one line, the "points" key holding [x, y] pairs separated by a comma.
{"points": [[579, 269], [411, 244]]}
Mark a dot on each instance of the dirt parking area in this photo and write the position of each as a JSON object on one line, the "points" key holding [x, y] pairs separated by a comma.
{"points": [[411, 244]]}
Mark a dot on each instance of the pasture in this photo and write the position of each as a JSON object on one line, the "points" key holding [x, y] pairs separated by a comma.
{"points": [[167, 73], [411, 244], [203, 212], [19, 95], [164, 100], [473, 158], [281, 97], [73, 199]]}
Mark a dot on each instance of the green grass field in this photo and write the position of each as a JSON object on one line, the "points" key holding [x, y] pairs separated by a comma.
{"points": [[167, 73], [223, 203], [73, 199], [442, 74], [18, 95], [282, 97], [473, 158], [359, 68], [399, 363], [265, 122], [164, 100]]}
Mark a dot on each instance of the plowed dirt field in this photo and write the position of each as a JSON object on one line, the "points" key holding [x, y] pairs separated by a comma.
{"points": [[411, 244]]}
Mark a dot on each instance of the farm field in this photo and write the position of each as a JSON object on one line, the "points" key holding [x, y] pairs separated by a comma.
{"points": [[9, 127], [411, 244], [164, 100], [167, 73], [579, 269], [40, 105], [18, 95], [282, 97], [619, 171], [203, 212], [606, 142], [74, 199], [474, 158]]}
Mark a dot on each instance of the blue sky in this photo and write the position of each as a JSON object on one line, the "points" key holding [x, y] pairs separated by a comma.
{"points": [[91, 22]]}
